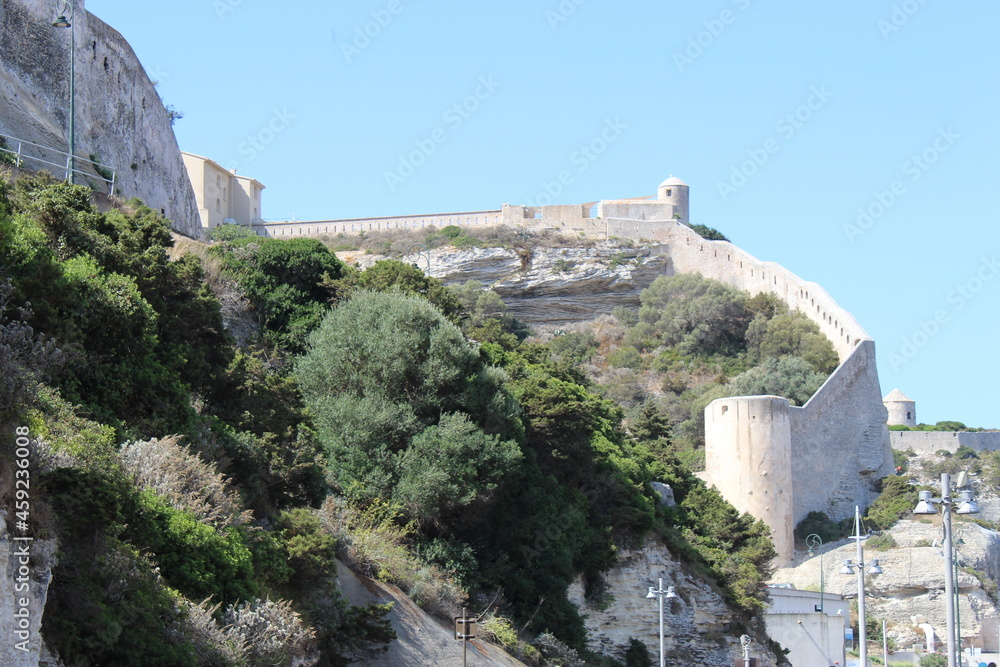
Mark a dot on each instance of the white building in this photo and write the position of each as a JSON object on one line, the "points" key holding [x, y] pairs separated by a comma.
{"points": [[813, 638]]}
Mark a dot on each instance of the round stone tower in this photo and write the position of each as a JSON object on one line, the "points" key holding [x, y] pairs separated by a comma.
{"points": [[902, 410], [675, 191]]}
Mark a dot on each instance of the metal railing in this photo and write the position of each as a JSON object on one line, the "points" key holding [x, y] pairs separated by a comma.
{"points": [[67, 167]]}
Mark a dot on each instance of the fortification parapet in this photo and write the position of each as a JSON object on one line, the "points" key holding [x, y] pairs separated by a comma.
{"points": [[930, 442], [721, 260]]}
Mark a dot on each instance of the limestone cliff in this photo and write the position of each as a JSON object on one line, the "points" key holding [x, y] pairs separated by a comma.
{"points": [[119, 115], [551, 285], [699, 629], [910, 591]]}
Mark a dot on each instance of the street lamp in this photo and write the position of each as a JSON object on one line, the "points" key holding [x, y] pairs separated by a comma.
{"points": [[967, 506], [63, 22], [849, 569], [815, 542], [661, 593]]}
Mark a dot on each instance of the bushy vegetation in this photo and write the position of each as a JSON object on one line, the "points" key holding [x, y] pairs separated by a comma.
{"points": [[107, 337], [202, 490], [939, 426], [692, 341]]}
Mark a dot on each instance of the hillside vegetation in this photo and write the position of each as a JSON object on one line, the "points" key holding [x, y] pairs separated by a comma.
{"points": [[694, 340], [200, 489]]}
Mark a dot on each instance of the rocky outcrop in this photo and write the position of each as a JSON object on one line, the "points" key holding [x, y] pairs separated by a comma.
{"points": [[119, 115], [910, 591], [699, 629], [549, 285], [420, 638], [24, 586]]}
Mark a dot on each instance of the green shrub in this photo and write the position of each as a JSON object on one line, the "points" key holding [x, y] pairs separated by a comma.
{"points": [[819, 523], [901, 460], [625, 357], [194, 557], [627, 316], [882, 542], [965, 452], [230, 232], [637, 655], [311, 547], [898, 498], [708, 233]]}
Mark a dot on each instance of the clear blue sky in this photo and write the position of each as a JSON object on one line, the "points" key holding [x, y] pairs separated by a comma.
{"points": [[886, 106]]}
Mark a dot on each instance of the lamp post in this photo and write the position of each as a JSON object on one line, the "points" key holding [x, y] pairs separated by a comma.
{"points": [[966, 506], [849, 569], [815, 542], [661, 593], [885, 645], [63, 22]]}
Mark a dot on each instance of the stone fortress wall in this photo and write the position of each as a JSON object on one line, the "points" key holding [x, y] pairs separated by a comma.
{"points": [[774, 460], [929, 442], [589, 221], [903, 412], [119, 115]]}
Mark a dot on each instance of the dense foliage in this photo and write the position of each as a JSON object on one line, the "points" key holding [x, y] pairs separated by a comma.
{"points": [[695, 340], [283, 279], [107, 335], [412, 430]]}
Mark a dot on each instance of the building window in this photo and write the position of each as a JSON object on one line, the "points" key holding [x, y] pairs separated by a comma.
{"points": [[218, 181], [908, 416], [218, 206], [670, 193], [225, 194]]}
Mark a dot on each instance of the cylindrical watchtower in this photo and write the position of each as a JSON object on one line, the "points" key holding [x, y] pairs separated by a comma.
{"points": [[902, 410], [675, 191]]}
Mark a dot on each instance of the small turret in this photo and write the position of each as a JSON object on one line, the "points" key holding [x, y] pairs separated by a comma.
{"points": [[902, 410], [675, 191]]}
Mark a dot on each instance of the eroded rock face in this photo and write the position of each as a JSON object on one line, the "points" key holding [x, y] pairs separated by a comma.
{"points": [[911, 589], [421, 639], [554, 285], [699, 629]]}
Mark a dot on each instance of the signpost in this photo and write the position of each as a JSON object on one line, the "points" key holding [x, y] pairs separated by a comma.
{"points": [[465, 629]]}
